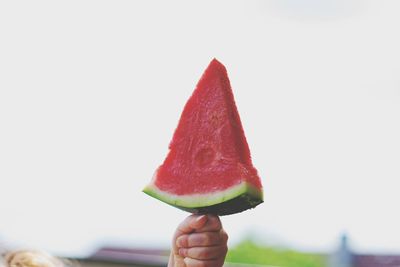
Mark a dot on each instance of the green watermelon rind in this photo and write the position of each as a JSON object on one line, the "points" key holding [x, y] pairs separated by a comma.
{"points": [[243, 192]]}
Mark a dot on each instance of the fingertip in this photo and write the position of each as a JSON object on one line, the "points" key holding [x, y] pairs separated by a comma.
{"points": [[201, 217], [212, 217], [182, 241], [200, 221], [183, 252]]}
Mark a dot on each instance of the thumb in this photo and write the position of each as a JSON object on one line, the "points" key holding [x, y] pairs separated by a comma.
{"points": [[192, 223], [199, 222]]}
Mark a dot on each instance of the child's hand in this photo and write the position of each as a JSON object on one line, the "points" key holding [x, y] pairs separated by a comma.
{"points": [[199, 241]]}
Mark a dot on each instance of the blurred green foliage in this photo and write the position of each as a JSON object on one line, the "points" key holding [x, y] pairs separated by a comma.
{"points": [[250, 252]]}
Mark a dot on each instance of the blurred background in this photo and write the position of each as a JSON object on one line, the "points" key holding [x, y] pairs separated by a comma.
{"points": [[91, 92]]}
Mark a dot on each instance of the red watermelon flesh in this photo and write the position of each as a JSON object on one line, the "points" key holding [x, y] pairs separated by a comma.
{"points": [[208, 168]]}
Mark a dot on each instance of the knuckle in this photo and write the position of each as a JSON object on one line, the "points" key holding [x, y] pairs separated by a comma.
{"points": [[225, 250], [224, 236]]}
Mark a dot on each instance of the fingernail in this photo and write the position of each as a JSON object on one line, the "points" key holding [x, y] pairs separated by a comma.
{"points": [[201, 217]]}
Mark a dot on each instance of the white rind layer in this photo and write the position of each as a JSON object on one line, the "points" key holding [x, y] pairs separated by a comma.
{"points": [[204, 200]]}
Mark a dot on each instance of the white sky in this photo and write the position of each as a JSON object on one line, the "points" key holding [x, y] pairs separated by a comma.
{"points": [[91, 91]]}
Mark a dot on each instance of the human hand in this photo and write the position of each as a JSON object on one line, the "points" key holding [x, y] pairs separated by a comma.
{"points": [[199, 241]]}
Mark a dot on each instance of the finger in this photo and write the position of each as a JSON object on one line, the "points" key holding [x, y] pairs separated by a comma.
{"points": [[213, 224], [192, 223], [204, 253], [176, 261], [204, 239], [224, 236], [199, 263]]}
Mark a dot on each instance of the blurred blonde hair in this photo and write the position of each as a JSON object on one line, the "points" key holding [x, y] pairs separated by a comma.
{"points": [[30, 258]]}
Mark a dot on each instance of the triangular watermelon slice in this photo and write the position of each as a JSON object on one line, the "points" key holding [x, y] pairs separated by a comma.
{"points": [[208, 168]]}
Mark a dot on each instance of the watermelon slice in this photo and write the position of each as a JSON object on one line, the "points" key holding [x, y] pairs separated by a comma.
{"points": [[208, 168]]}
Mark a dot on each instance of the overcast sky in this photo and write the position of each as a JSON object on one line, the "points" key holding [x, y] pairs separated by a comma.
{"points": [[91, 91]]}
